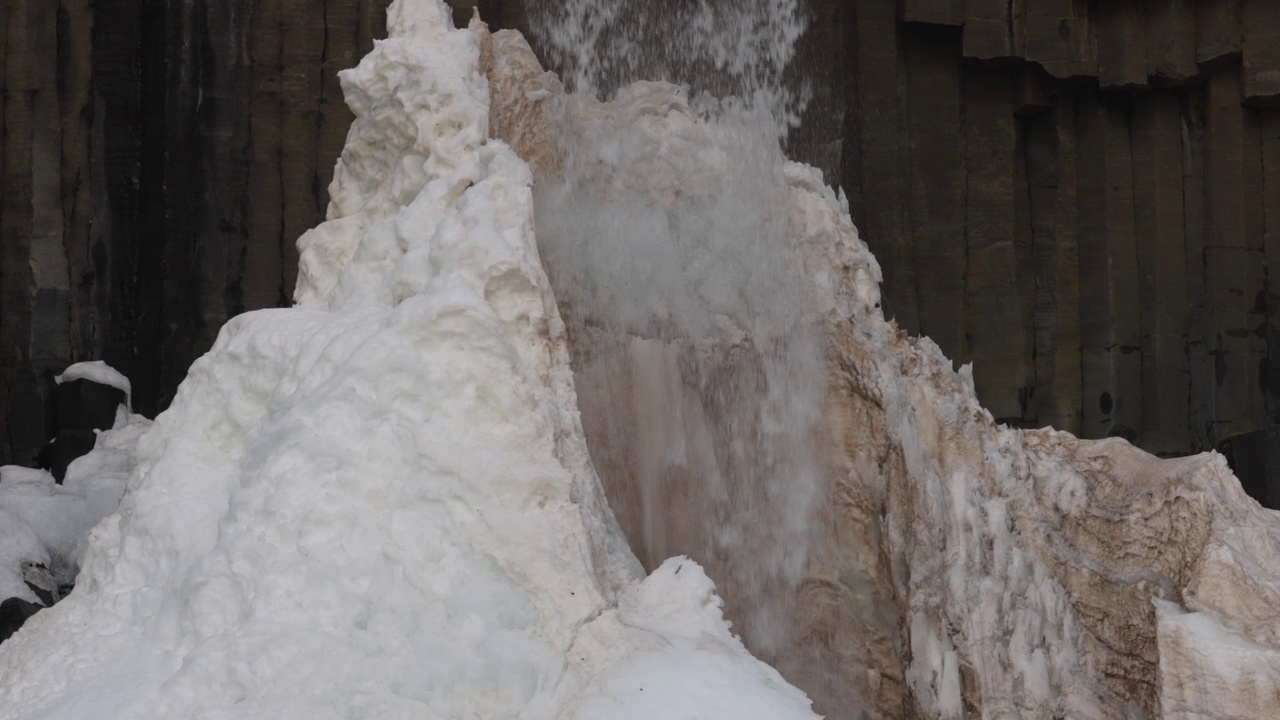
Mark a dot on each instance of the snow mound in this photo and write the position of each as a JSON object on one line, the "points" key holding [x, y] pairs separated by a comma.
{"points": [[47, 524], [379, 504]]}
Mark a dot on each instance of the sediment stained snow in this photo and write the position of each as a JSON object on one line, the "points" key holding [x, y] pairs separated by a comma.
{"points": [[379, 504], [970, 569]]}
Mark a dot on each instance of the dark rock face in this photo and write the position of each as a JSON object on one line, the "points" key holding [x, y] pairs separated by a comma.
{"points": [[145, 143], [63, 449], [87, 405], [1255, 459], [13, 613], [1075, 198], [1079, 198], [82, 406]]}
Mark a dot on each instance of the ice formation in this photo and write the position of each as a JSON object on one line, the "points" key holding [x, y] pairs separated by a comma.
{"points": [[379, 503], [966, 569]]}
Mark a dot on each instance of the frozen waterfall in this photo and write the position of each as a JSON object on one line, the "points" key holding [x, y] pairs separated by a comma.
{"points": [[568, 367]]}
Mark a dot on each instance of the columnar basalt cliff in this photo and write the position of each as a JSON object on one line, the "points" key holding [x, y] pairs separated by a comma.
{"points": [[160, 160], [1106, 176], [1081, 199]]}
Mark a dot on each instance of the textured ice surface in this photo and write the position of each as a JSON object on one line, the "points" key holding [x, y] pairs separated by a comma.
{"points": [[670, 232], [379, 503], [968, 569]]}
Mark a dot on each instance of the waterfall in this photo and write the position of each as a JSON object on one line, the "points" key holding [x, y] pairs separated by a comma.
{"points": [[699, 359], [726, 48]]}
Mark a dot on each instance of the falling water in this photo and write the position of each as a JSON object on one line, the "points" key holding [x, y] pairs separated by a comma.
{"points": [[726, 48], [700, 370]]}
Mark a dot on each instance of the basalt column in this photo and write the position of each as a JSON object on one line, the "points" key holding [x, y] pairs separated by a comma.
{"points": [[1113, 181], [1080, 198], [159, 161]]}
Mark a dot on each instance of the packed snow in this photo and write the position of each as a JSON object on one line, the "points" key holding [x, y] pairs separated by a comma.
{"points": [[379, 503], [47, 524]]}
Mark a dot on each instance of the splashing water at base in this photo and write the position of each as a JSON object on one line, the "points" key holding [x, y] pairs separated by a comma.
{"points": [[699, 364]]}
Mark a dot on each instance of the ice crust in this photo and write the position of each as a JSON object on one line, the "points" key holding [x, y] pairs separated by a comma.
{"points": [[379, 503]]}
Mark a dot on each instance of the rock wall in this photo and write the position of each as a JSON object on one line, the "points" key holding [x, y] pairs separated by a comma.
{"points": [[144, 145], [1082, 199]]}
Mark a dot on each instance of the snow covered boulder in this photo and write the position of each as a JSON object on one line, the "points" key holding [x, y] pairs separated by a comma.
{"points": [[90, 396]]}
